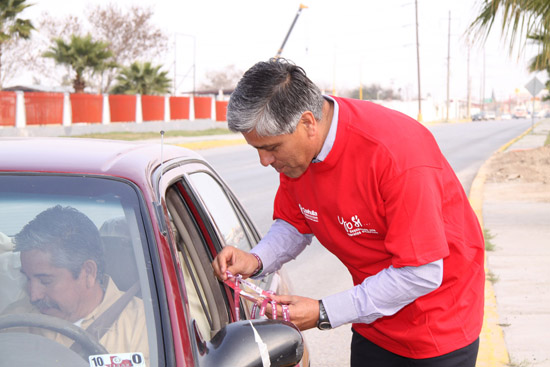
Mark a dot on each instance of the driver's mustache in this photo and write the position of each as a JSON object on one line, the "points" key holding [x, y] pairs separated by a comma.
{"points": [[41, 303]]}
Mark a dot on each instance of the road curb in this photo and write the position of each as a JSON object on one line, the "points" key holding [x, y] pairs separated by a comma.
{"points": [[492, 351]]}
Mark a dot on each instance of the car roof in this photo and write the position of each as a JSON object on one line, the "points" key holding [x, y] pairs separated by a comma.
{"points": [[87, 156]]}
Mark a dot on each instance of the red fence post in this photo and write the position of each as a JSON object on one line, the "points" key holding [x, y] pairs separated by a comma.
{"points": [[122, 107], [203, 107], [86, 107], [43, 108], [152, 108], [7, 108]]}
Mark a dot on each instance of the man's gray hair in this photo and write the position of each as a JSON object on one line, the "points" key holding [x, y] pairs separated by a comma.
{"points": [[68, 235], [271, 97]]}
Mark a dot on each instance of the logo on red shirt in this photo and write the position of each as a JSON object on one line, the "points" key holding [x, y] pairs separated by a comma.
{"points": [[309, 214], [354, 227]]}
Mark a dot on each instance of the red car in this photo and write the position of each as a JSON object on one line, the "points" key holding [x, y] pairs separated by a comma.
{"points": [[135, 287]]}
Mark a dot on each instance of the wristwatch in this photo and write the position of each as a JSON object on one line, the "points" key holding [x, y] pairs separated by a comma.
{"points": [[323, 323]]}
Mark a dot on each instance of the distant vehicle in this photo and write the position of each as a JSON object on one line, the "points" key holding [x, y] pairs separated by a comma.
{"points": [[506, 116], [541, 114], [477, 116], [520, 113], [489, 115], [484, 115]]}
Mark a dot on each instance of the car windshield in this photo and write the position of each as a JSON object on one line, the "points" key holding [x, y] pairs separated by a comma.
{"points": [[72, 258]]}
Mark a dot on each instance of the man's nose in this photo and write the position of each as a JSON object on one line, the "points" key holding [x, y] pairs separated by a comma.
{"points": [[266, 158], [36, 291]]}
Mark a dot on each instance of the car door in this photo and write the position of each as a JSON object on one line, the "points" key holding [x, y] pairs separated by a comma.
{"points": [[194, 241], [204, 217]]}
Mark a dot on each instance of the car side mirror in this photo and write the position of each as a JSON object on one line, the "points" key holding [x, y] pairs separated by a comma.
{"points": [[249, 343]]}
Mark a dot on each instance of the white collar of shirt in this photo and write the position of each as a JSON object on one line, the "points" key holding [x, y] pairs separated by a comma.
{"points": [[331, 136]]}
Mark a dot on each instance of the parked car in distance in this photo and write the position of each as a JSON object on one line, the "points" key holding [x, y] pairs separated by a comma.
{"points": [[506, 116], [484, 115], [489, 115], [160, 216], [520, 113], [542, 114], [477, 116]]}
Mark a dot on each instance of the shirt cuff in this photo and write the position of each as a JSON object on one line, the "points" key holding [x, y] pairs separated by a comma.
{"points": [[282, 243], [340, 308]]}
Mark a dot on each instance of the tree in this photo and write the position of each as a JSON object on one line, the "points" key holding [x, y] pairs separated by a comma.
{"points": [[129, 32], [142, 78], [540, 62], [521, 19], [374, 92], [225, 79], [12, 27], [81, 54], [131, 35]]}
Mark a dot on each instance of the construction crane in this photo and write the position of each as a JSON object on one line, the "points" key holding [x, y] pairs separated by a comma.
{"points": [[302, 6]]}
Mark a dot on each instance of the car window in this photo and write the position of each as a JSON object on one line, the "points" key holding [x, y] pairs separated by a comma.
{"points": [[208, 307], [222, 210], [225, 215], [72, 256]]}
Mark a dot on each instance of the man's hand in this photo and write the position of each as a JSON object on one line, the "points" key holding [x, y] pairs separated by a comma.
{"points": [[235, 261], [304, 312]]}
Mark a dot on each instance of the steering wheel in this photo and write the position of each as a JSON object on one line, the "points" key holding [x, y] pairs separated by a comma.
{"points": [[89, 345]]}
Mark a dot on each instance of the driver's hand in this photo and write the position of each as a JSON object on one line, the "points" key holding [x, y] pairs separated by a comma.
{"points": [[235, 261]]}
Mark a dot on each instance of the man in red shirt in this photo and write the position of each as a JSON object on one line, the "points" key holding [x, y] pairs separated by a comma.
{"points": [[372, 185]]}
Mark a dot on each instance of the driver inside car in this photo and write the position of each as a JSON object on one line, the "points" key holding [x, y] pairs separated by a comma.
{"points": [[62, 259]]}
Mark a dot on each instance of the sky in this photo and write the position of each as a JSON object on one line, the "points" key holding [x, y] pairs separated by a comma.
{"points": [[341, 44]]}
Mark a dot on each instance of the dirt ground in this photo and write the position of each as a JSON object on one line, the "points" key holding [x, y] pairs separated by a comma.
{"points": [[521, 174]]}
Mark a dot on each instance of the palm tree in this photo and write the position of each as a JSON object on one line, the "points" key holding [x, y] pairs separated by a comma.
{"points": [[11, 26], [539, 62], [142, 78], [81, 54], [521, 19]]}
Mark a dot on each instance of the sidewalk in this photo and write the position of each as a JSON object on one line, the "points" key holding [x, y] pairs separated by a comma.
{"points": [[517, 311]]}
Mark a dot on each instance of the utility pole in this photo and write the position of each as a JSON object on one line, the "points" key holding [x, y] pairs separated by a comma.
{"points": [[418, 63], [483, 85], [468, 85], [448, 68]]}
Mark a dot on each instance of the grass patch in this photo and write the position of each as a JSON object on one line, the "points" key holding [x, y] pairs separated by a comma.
{"points": [[130, 135], [523, 363], [488, 236], [547, 142], [491, 277]]}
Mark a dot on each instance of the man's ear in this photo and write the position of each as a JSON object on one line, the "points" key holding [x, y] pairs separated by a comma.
{"points": [[309, 123], [89, 271]]}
